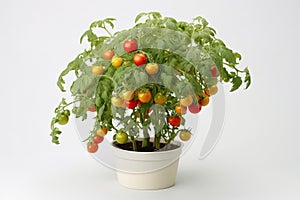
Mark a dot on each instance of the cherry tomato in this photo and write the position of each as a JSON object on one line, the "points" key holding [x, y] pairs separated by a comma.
{"points": [[108, 54], [159, 98], [98, 139], [194, 108], [92, 147], [131, 104], [97, 70], [188, 100], [116, 101], [127, 95], [121, 137], [116, 61], [185, 135], [181, 110], [144, 96], [206, 91], [213, 89], [139, 59], [151, 68], [63, 119], [130, 45], [92, 108], [174, 121], [204, 100], [102, 131]]}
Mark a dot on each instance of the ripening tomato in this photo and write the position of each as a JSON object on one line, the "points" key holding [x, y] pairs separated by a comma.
{"points": [[188, 100], [174, 120], [130, 45], [159, 98], [92, 147], [127, 95], [181, 110], [98, 139], [116, 61], [116, 101], [108, 54], [97, 70], [131, 104], [151, 68], [102, 131], [139, 59], [195, 108], [121, 137], [144, 96], [213, 89], [204, 100], [185, 135]]}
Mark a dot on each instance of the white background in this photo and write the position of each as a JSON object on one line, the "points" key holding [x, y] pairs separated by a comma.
{"points": [[258, 156]]}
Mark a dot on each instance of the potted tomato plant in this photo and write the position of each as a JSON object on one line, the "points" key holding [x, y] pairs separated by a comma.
{"points": [[140, 83]]}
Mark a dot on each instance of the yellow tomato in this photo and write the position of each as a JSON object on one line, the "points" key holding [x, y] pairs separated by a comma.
{"points": [[97, 70], [188, 100], [116, 61]]}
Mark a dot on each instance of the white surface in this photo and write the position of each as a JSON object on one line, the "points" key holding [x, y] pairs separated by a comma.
{"points": [[258, 156]]}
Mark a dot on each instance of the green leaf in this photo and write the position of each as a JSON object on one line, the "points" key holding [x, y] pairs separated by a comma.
{"points": [[139, 16], [247, 77], [236, 83]]}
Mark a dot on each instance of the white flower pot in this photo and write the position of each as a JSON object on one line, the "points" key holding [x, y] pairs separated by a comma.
{"points": [[147, 170]]}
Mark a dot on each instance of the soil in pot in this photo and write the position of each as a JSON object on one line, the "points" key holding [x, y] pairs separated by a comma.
{"points": [[129, 147]]}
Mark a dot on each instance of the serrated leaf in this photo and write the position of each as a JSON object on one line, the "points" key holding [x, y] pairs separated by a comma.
{"points": [[236, 83]]}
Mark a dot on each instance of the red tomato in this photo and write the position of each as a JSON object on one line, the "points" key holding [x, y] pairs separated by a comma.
{"points": [[131, 104], [92, 147], [195, 108], [98, 139], [174, 121], [130, 45], [108, 54], [139, 59]]}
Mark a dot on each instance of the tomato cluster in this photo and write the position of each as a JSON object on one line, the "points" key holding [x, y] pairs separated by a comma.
{"points": [[95, 139]]}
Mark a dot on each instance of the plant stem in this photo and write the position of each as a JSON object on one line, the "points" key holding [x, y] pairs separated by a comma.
{"points": [[146, 137], [133, 141]]}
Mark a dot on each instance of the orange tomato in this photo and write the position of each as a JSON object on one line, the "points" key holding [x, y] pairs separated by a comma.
{"points": [[144, 96]]}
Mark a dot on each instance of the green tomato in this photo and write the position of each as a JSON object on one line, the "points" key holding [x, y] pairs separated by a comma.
{"points": [[121, 137], [63, 119]]}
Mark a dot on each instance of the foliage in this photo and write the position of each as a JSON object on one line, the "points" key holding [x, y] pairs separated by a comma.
{"points": [[190, 60]]}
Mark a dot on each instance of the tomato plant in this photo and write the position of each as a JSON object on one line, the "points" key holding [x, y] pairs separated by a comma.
{"points": [[139, 59], [179, 66]]}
